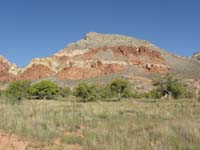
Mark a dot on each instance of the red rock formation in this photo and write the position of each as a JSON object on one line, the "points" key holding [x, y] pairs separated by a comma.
{"points": [[93, 56], [136, 56], [96, 69], [5, 76], [156, 68], [127, 52], [36, 71]]}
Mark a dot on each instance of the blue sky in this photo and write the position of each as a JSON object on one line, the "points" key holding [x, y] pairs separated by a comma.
{"points": [[39, 28]]}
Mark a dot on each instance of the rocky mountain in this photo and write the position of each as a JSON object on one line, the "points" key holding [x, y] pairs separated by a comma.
{"points": [[100, 55], [8, 71]]}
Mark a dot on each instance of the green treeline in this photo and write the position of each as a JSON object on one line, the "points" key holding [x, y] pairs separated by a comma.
{"points": [[167, 86]]}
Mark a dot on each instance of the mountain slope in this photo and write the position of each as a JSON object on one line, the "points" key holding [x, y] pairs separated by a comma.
{"points": [[196, 56], [99, 55]]}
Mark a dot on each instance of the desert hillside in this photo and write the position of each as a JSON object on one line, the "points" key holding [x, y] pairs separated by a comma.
{"points": [[99, 55]]}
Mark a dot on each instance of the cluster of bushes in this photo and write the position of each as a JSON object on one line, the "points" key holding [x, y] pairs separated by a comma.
{"points": [[117, 89], [42, 90], [46, 89], [169, 86]]}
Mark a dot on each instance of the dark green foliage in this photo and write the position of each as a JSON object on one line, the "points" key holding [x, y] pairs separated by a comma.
{"points": [[64, 91], [18, 90], [44, 90], [105, 93], [119, 87], [171, 85], [86, 92]]}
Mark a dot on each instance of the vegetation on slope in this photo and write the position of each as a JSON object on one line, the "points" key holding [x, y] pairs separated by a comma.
{"points": [[168, 86]]}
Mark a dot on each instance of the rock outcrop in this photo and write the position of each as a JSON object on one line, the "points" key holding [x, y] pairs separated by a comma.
{"points": [[196, 56], [98, 55], [8, 71]]}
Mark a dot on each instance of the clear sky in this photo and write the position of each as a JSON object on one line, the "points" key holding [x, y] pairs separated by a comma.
{"points": [[39, 28]]}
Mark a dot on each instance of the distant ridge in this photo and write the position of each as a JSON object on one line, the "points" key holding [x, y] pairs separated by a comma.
{"points": [[99, 55]]}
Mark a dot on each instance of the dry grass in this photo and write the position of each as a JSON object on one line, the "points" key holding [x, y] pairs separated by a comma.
{"points": [[129, 124]]}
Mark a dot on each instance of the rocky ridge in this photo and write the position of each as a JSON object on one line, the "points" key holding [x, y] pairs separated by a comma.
{"points": [[96, 55]]}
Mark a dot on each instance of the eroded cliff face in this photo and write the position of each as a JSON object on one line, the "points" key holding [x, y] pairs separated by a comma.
{"points": [[8, 71], [100, 54], [91, 70], [95, 55]]}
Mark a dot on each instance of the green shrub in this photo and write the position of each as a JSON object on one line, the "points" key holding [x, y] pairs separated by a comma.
{"points": [[119, 87], [86, 92], [153, 94], [18, 90], [44, 90], [171, 85], [105, 93], [64, 91]]}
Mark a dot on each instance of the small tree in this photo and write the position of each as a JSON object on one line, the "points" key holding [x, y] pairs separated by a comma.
{"points": [[119, 87], [44, 90], [171, 85], [18, 90], [86, 92]]}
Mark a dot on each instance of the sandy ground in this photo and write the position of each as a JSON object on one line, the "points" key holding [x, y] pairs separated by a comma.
{"points": [[11, 142]]}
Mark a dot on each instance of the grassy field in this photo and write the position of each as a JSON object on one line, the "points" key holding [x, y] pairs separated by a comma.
{"points": [[126, 125]]}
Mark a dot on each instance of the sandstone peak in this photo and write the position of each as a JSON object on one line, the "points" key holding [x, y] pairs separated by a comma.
{"points": [[97, 40], [98, 55], [12, 67]]}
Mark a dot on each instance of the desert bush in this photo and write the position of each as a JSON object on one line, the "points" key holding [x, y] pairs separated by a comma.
{"points": [[44, 90], [137, 95], [171, 85], [64, 91], [18, 90], [153, 94], [105, 93], [119, 87], [86, 92]]}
